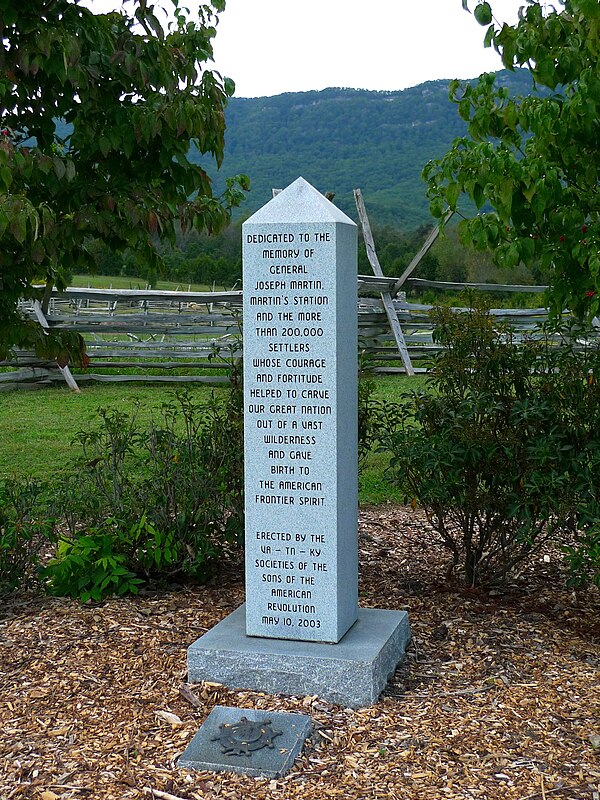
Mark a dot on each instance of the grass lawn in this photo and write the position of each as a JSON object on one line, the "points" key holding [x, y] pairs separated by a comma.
{"points": [[37, 427], [129, 282]]}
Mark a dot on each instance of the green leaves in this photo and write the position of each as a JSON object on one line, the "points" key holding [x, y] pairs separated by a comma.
{"points": [[503, 451], [26, 528], [534, 159], [453, 191], [60, 168], [132, 95], [91, 567], [483, 13], [150, 501]]}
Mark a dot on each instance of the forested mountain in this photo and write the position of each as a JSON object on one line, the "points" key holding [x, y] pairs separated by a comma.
{"points": [[341, 139], [338, 139]]}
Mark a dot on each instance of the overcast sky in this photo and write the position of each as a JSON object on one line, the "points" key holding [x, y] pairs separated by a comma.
{"points": [[273, 46]]}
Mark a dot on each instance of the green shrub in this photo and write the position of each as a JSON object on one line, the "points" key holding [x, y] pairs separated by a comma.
{"points": [[369, 412], [376, 417], [501, 449], [25, 528], [108, 465], [92, 566], [194, 488], [152, 551], [154, 502], [583, 552]]}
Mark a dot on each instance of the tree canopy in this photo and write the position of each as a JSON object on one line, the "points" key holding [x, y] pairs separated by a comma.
{"points": [[132, 88], [535, 160]]}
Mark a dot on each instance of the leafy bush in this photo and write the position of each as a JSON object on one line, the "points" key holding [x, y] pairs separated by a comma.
{"points": [[194, 489], [376, 417], [501, 448], [108, 453], [107, 560], [25, 528], [153, 502], [92, 566], [369, 411]]}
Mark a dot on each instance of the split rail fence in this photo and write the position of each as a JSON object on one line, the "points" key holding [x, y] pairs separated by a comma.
{"points": [[177, 337], [137, 335]]}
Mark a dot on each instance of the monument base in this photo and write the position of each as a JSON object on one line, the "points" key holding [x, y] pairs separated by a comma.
{"points": [[352, 673]]}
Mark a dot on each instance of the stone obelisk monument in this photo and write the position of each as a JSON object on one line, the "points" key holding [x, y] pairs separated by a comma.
{"points": [[301, 630]]}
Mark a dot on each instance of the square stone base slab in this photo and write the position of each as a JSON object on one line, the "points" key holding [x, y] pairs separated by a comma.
{"points": [[203, 752], [352, 673]]}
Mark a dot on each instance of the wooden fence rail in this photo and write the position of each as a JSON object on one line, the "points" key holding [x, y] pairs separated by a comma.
{"points": [[148, 335]]}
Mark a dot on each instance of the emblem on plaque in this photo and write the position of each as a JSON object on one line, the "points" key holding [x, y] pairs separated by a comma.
{"points": [[245, 737]]}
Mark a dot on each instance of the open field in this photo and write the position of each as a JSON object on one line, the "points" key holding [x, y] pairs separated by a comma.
{"points": [[37, 428], [129, 282]]}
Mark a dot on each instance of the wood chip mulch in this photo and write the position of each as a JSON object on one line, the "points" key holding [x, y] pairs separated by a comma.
{"points": [[499, 696]]}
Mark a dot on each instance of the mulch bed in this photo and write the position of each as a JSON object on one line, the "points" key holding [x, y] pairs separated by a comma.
{"points": [[499, 695]]}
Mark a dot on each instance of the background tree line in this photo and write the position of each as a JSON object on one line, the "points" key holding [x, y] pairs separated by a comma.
{"points": [[196, 258]]}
